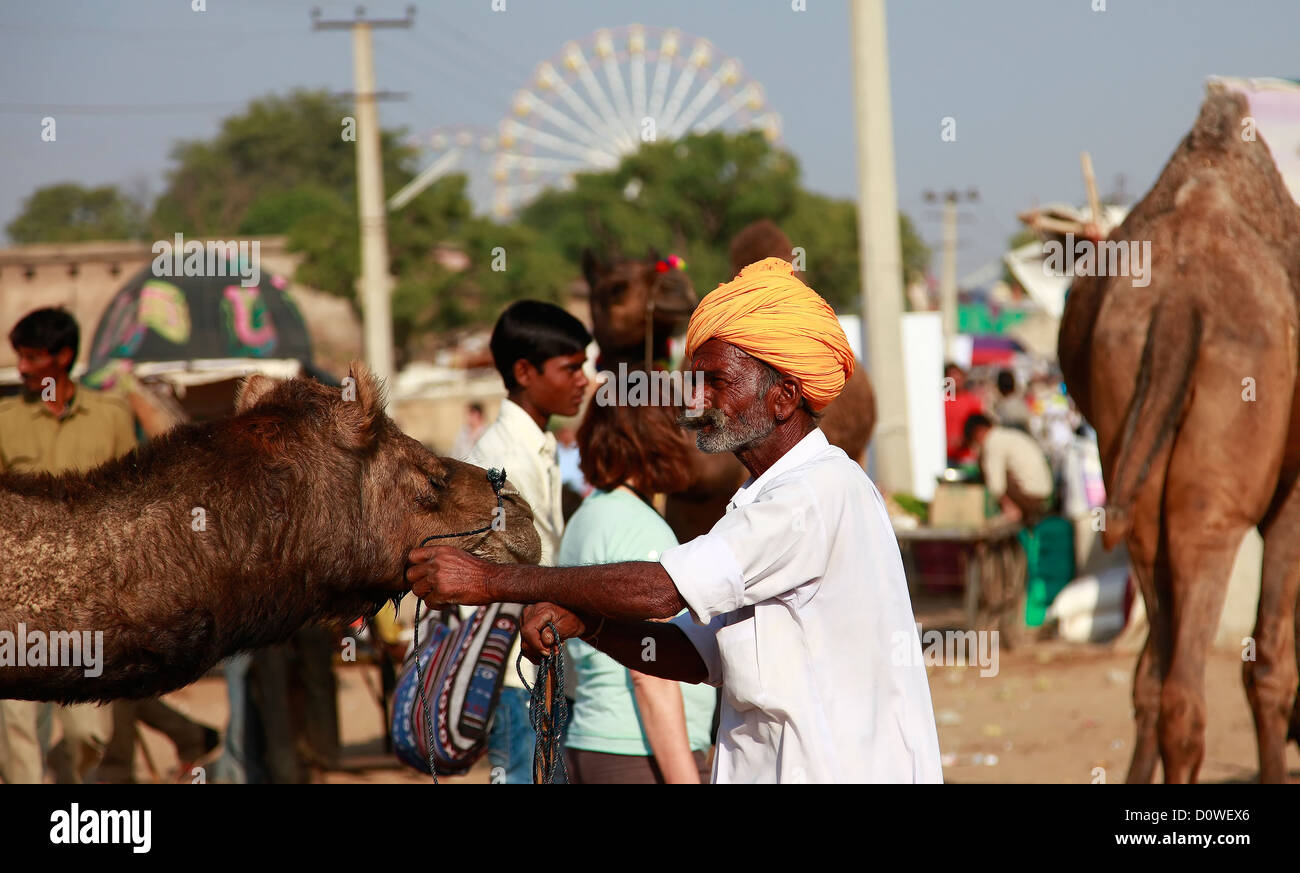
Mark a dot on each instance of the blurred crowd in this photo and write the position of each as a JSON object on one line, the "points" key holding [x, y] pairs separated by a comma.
{"points": [[1021, 433]]}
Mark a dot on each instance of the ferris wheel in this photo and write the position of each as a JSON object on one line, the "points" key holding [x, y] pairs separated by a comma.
{"points": [[596, 101]]}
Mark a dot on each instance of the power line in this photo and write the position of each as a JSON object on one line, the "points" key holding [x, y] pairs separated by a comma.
{"points": [[188, 107], [463, 38], [169, 32], [466, 80]]}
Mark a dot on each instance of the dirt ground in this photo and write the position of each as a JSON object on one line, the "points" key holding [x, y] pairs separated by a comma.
{"points": [[1054, 712], [1057, 711], [361, 727]]}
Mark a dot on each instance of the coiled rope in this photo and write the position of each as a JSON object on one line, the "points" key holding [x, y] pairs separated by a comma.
{"points": [[548, 712]]}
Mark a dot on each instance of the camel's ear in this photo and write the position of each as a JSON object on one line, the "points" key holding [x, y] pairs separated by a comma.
{"points": [[652, 255], [592, 268], [251, 391], [361, 412]]}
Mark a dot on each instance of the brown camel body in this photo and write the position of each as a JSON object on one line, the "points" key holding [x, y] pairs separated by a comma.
{"points": [[231, 535], [1191, 385], [624, 293]]}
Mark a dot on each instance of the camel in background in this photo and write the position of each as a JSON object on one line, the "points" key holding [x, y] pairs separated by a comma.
{"points": [[626, 293], [1191, 385]]}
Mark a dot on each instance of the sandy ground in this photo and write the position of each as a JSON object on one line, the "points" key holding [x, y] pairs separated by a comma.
{"points": [[361, 726], [1054, 712]]}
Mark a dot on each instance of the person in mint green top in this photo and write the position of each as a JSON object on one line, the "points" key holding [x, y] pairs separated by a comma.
{"points": [[627, 727]]}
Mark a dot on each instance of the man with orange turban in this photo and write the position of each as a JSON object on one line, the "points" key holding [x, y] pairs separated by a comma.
{"points": [[795, 603], [769, 314]]}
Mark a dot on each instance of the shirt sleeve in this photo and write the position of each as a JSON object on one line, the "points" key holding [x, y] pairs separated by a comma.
{"points": [[994, 466], [754, 553]]}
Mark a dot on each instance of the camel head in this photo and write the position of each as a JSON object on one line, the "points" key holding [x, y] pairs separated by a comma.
{"points": [[624, 292], [406, 493]]}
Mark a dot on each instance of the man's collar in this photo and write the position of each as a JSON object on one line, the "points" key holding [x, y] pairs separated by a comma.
{"points": [[37, 407], [523, 428], [804, 450]]}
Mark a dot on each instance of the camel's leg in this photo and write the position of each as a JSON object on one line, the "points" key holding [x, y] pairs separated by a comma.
{"points": [[1294, 732], [1151, 568], [1271, 676], [1146, 711], [1202, 547]]}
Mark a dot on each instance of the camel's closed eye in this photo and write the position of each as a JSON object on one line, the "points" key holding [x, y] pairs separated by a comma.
{"points": [[428, 499]]}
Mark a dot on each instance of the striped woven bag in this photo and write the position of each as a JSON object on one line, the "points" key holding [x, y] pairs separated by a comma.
{"points": [[463, 665]]}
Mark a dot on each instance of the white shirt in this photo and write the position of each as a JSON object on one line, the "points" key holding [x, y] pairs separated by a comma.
{"points": [[797, 605], [516, 443]]}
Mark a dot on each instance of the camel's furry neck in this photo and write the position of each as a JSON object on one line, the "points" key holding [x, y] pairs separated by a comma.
{"points": [[122, 550]]}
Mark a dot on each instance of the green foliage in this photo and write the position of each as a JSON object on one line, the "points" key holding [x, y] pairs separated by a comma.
{"points": [[72, 213], [278, 144], [281, 166], [328, 239], [916, 254], [693, 195], [913, 505], [275, 212]]}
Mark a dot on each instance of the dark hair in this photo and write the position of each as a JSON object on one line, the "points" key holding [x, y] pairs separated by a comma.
{"points": [[50, 329], [536, 332], [1006, 381], [618, 441], [974, 422]]}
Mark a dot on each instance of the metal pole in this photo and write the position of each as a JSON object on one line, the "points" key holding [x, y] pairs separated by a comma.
{"points": [[948, 275], [878, 242]]}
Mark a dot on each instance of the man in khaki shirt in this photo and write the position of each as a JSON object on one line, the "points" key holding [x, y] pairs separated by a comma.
{"points": [[54, 426], [1015, 470]]}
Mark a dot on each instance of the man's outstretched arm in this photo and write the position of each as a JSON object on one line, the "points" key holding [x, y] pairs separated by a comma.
{"points": [[650, 647], [628, 591]]}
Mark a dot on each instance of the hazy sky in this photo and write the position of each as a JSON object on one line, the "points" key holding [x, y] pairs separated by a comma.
{"points": [[1029, 82]]}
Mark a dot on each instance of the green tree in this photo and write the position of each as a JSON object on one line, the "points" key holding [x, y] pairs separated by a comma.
{"points": [[73, 213], [277, 145], [693, 195]]}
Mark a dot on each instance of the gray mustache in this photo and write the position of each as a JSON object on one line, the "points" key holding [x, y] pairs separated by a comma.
{"points": [[707, 418]]}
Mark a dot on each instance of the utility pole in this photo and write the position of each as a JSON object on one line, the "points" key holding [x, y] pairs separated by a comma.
{"points": [[878, 243], [948, 269], [375, 284]]}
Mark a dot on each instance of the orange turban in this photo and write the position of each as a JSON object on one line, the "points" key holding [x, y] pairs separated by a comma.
{"points": [[768, 313]]}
